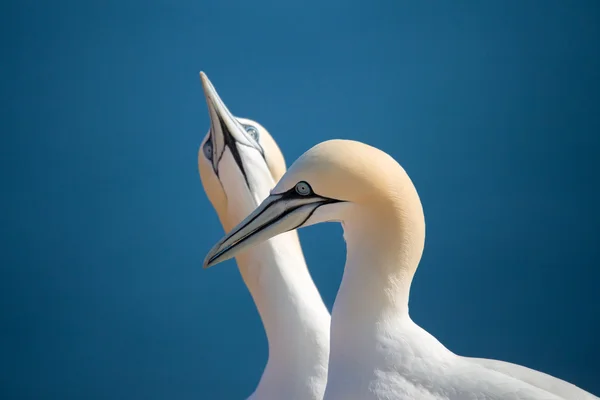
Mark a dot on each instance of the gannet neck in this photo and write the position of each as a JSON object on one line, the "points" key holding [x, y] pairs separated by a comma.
{"points": [[375, 256], [384, 245], [287, 300]]}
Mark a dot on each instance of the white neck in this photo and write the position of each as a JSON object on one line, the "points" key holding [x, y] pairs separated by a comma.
{"points": [[287, 299], [370, 324], [377, 277], [295, 319]]}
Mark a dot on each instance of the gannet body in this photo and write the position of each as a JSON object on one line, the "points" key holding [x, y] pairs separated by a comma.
{"points": [[239, 164], [377, 351], [549, 383]]}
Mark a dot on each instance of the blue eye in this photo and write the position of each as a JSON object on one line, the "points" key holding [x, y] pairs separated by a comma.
{"points": [[303, 188], [252, 131], [208, 149]]}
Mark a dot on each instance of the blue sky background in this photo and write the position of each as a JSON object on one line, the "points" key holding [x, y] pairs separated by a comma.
{"points": [[492, 107]]}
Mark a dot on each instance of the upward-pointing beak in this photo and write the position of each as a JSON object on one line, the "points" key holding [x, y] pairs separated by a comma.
{"points": [[225, 130]]}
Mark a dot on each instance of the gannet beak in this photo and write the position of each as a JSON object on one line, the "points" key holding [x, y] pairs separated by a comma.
{"points": [[277, 214], [225, 130]]}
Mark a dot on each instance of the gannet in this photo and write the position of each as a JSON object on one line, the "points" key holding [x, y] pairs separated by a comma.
{"points": [[377, 351], [239, 163]]}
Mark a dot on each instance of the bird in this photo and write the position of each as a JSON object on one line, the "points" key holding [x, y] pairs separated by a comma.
{"points": [[239, 163], [376, 350]]}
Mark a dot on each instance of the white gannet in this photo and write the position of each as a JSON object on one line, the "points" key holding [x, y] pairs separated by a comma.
{"points": [[377, 351], [239, 164]]}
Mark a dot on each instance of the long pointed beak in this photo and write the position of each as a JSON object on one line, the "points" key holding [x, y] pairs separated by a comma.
{"points": [[277, 214], [225, 130]]}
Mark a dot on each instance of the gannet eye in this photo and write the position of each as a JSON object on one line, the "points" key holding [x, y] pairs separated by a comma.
{"points": [[208, 149], [303, 188], [252, 131]]}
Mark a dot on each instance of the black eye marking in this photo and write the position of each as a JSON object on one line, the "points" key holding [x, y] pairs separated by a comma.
{"points": [[303, 188], [230, 143]]}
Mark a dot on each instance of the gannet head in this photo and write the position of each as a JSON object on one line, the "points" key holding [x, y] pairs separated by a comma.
{"points": [[239, 162], [336, 180]]}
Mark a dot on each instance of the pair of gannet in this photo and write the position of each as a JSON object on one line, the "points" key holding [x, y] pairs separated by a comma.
{"points": [[377, 351]]}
